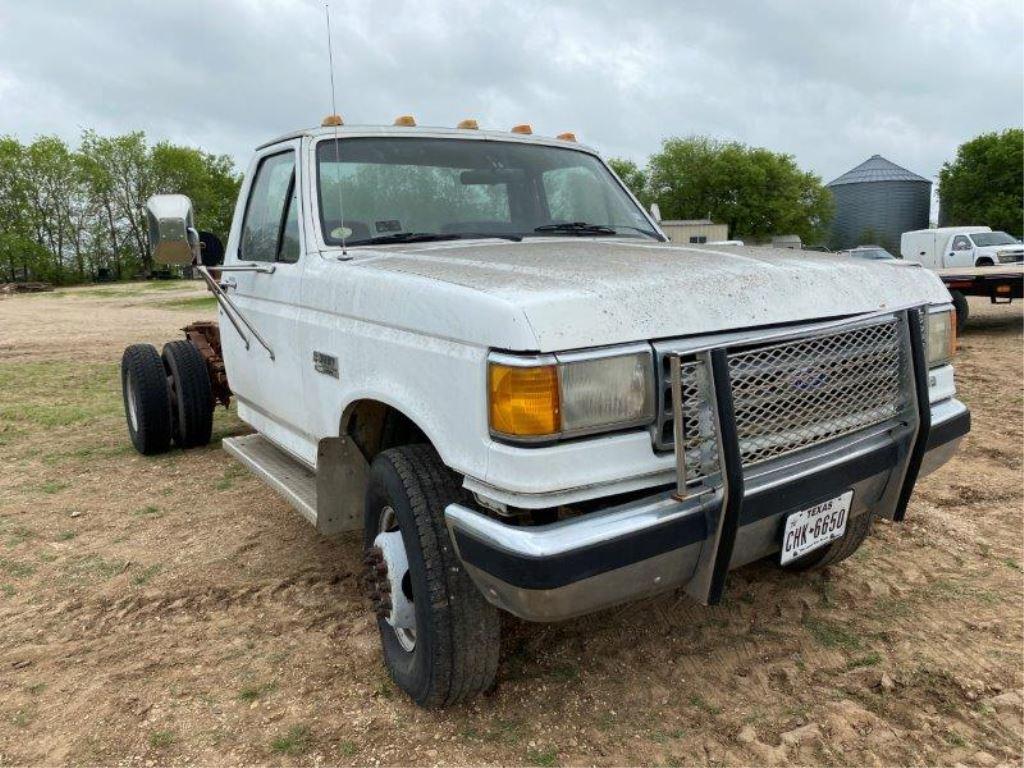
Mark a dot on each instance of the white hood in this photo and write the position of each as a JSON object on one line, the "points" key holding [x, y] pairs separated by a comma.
{"points": [[582, 292]]}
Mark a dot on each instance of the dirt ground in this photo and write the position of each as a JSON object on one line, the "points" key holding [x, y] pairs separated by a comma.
{"points": [[172, 610]]}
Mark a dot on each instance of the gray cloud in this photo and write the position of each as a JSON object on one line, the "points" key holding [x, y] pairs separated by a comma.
{"points": [[830, 83]]}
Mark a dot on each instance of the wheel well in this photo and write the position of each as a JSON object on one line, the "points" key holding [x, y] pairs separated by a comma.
{"points": [[375, 426], [985, 261]]}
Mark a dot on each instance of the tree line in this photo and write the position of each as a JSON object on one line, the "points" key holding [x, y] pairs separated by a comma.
{"points": [[756, 192], [760, 193], [70, 215]]}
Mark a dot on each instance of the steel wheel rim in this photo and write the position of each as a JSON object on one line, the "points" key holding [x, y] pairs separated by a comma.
{"points": [[133, 418], [388, 523]]}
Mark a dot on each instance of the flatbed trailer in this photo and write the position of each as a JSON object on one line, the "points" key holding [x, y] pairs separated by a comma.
{"points": [[1001, 284]]}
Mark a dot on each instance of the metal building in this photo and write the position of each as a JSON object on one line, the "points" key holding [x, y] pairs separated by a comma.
{"points": [[694, 230], [876, 202]]}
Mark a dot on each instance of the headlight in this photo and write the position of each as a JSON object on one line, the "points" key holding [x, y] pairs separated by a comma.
{"points": [[941, 340], [569, 395]]}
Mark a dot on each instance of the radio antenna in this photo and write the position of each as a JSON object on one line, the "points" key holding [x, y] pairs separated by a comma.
{"points": [[335, 120]]}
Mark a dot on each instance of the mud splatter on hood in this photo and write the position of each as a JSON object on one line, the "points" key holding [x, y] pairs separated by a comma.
{"points": [[579, 292]]}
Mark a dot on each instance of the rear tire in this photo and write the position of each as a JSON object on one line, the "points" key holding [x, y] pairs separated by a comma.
{"points": [[191, 394], [962, 310], [455, 642], [858, 529], [147, 400]]}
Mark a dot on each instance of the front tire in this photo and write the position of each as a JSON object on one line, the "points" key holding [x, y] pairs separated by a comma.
{"points": [[450, 652], [147, 401]]}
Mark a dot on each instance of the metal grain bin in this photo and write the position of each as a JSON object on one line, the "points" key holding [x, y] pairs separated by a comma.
{"points": [[876, 202]]}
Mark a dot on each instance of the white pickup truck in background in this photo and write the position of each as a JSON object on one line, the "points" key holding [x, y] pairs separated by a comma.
{"points": [[478, 348], [971, 261]]}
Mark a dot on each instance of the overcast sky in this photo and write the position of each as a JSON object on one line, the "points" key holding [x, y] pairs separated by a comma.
{"points": [[830, 82]]}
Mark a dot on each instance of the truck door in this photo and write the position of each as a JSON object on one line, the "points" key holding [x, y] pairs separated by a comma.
{"points": [[269, 387], [960, 252]]}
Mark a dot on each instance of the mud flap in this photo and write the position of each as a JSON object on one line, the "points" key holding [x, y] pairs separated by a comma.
{"points": [[341, 478]]}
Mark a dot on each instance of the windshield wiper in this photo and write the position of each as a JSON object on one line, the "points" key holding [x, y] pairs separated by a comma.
{"points": [[577, 228], [403, 237], [426, 237]]}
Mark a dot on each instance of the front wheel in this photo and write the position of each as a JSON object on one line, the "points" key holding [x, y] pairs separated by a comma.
{"points": [[440, 637]]}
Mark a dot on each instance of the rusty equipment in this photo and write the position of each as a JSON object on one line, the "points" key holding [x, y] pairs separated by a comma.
{"points": [[205, 336]]}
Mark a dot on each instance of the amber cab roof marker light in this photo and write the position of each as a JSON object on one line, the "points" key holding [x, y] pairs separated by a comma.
{"points": [[469, 125], [523, 128], [406, 121], [332, 120], [567, 136]]}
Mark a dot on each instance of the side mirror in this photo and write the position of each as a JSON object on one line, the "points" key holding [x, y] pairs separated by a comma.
{"points": [[211, 252], [173, 238]]}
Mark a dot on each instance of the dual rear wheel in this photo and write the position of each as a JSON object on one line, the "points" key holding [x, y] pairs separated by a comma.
{"points": [[166, 397]]}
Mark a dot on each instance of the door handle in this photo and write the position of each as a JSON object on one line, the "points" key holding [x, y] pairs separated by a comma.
{"points": [[228, 283]]}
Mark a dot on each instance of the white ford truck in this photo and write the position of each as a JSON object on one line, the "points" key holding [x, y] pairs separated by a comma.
{"points": [[478, 348]]}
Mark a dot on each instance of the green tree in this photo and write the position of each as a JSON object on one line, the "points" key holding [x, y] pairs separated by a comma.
{"points": [[66, 213], [632, 176], [757, 192], [984, 184]]}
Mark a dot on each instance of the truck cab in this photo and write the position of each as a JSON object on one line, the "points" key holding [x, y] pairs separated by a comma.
{"points": [[479, 349], [959, 247]]}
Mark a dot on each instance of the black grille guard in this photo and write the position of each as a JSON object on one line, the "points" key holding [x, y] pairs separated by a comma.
{"points": [[708, 582]]}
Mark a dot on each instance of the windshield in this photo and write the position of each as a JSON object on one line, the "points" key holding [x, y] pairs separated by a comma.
{"points": [[876, 254], [981, 239], [395, 189]]}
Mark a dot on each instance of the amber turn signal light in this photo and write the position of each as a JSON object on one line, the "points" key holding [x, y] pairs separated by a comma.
{"points": [[523, 128], [332, 120], [470, 125], [406, 121], [523, 401]]}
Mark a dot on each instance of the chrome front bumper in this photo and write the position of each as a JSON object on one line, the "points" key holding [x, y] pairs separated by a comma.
{"points": [[631, 551], [690, 537]]}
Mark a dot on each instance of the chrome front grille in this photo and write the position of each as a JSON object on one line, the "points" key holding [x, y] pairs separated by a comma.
{"points": [[790, 395], [795, 394]]}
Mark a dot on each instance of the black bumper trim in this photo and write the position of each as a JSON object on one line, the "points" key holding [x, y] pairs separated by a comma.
{"points": [[949, 430], [834, 480], [561, 570]]}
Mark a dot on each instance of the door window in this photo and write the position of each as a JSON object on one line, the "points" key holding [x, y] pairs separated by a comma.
{"points": [[290, 249], [961, 243], [271, 226]]}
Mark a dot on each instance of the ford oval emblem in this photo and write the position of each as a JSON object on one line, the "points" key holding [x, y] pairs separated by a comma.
{"points": [[808, 379]]}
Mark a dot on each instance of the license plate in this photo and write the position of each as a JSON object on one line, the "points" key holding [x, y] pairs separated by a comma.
{"points": [[808, 529]]}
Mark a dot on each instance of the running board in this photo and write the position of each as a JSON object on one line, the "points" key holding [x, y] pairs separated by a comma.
{"points": [[331, 499], [293, 481]]}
